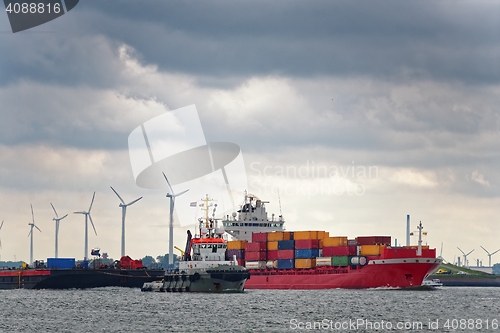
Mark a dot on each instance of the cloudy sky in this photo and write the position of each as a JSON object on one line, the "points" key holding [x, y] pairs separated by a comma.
{"points": [[356, 113]]}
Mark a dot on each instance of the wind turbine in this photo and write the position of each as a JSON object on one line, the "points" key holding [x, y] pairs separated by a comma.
{"points": [[32, 224], [0, 239], [87, 217], [489, 255], [124, 212], [172, 197], [465, 256], [57, 219]]}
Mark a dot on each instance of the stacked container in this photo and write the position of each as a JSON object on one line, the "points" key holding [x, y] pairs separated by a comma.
{"points": [[256, 251]]}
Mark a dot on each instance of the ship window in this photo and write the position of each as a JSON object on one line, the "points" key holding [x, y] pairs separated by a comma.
{"points": [[209, 246], [203, 246], [220, 246], [214, 250]]}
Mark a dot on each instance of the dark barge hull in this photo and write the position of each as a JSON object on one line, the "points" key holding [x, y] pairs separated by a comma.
{"points": [[77, 278]]}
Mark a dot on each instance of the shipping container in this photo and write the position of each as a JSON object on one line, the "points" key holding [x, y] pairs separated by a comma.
{"points": [[335, 241], [61, 263], [256, 256], [275, 236], [307, 244], [330, 251], [256, 246], [272, 255], [285, 254], [371, 250], [236, 244], [259, 237], [374, 240], [255, 264], [272, 245], [352, 242], [306, 253], [240, 254], [272, 264], [358, 261], [285, 263], [305, 263], [340, 261], [323, 261], [308, 235], [287, 235], [241, 262], [353, 250], [286, 245]]}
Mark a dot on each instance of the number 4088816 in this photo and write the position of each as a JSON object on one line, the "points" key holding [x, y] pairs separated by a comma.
{"points": [[33, 8], [471, 324]]}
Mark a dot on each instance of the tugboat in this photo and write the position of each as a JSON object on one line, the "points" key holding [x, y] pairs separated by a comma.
{"points": [[207, 270]]}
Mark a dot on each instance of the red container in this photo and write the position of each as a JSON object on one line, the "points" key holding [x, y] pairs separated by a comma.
{"points": [[353, 250], [374, 240], [241, 262], [398, 252], [272, 255], [335, 251], [255, 247], [256, 256], [259, 237], [307, 244], [286, 254]]}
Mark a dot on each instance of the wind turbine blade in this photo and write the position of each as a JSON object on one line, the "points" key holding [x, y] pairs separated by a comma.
{"points": [[37, 228], [170, 187], [32, 215], [133, 201], [93, 196], [79, 212], [470, 252], [0, 243], [91, 222], [54, 209], [29, 233], [176, 195], [484, 249], [495, 252], [1, 226], [123, 202], [63, 217], [461, 251]]}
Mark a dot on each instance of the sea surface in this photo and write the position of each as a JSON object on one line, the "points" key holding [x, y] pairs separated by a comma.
{"points": [[449, 309]]}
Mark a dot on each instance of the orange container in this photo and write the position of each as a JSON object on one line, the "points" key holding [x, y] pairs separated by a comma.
{"points": [[272, 246], [371, 250], [287, 235], [275, 236], [311, 234], [305, 263], [236, 245], [335, 241]]}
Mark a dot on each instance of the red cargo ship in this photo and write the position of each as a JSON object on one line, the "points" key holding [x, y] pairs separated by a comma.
{"points": [[278, 259]]}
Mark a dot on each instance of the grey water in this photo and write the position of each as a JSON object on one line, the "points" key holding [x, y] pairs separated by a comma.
{"points": [[449, 309]]}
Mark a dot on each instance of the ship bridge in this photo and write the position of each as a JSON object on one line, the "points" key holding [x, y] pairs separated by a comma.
{"points": [[251, 217]]}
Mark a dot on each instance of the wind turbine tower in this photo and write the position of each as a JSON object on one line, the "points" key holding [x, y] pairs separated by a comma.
{"points": [[489, 255], [465, 256], [0, 239], [123, 205], [172, 197], [57, 219], [87, 217], [32, 225]]}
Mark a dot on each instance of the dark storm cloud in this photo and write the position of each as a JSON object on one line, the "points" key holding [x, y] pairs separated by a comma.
{"points": [[443, 40]]}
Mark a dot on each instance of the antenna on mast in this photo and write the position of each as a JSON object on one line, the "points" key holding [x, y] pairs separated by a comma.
{"points": [[279, 202]]}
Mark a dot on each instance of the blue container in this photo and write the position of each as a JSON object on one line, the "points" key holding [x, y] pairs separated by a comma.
{"points": [[286, 263], [286, 245], [306, 253], [61, 263]]}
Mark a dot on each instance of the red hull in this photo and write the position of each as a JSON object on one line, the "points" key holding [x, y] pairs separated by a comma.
{"points": [[388, 273]]}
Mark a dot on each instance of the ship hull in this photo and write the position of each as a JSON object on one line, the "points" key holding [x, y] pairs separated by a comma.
{"points": [[390, 273], [214, 280], [76, 278]]}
